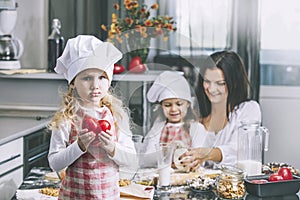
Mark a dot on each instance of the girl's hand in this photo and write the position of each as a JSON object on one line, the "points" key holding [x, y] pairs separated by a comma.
{"points": [[107, 142], [194, 158], [85, 138]]}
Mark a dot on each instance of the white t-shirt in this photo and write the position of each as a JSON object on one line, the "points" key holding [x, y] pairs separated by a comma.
{"points": [[227, 138]]}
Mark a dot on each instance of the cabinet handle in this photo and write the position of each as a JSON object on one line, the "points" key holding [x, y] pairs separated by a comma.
{"points": [[9, 159], [38, 156]]}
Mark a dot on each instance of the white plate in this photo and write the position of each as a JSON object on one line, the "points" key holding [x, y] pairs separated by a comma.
{"points": [[33, 194]]}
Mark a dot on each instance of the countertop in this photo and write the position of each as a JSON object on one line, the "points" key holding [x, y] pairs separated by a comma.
{"points": [[12, 128], [36, 180], [126, 76]]}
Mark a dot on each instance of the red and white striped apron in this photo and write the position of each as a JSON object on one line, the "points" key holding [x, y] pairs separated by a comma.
{"points": [[93, 175], [175, 133]]}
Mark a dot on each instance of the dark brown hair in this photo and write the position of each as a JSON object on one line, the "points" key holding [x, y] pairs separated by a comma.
{"points": [[235, 76]]}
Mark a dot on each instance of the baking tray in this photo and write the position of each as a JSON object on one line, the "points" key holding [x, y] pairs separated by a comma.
{"points": [[285, 197], [279, 188]]}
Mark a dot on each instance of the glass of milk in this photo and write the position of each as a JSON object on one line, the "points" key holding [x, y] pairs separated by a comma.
{"points": [[164, 160]]}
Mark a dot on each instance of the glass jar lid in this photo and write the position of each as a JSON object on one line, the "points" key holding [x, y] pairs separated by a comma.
{"points": [[233, 171]]}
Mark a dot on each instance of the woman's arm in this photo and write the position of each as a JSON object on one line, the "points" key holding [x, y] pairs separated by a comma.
{"points": [[225, 150]]}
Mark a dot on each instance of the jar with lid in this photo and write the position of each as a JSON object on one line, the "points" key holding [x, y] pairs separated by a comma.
{"points": [[230, 183]]}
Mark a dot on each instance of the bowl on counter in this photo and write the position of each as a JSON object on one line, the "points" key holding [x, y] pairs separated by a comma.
{"points": [[271, 189]]}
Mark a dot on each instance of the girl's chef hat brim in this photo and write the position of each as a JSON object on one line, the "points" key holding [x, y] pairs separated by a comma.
{"points": [[85, 52], [169, 84]]}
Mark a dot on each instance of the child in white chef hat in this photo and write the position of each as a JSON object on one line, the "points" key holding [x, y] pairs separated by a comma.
{"points": [[92, 161], [177, 121]]}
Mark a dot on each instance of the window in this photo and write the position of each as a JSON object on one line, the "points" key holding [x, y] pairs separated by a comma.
{"points": [[201, 25], [280, 42], [280, 24]]}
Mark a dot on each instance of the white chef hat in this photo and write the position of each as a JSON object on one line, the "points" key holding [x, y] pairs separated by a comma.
{"points": [[85, 52], [169, 84]]}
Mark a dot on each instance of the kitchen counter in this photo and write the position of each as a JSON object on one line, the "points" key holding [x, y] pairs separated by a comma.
{"points": [[127, 76], [36, 180], [12, 128]]}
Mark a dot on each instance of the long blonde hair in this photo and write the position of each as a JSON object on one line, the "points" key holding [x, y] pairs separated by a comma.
{"points": [[70, 106]]}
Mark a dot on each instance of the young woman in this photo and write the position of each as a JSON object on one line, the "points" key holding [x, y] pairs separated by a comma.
{"points": [[222, 93], [91, 158], [175, 120]]}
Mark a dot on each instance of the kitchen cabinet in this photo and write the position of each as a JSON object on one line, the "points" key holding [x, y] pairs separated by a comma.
{"points": [[11, 167]]}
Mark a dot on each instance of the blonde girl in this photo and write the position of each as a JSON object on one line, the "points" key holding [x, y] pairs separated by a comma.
{"points": [[91, 159]]}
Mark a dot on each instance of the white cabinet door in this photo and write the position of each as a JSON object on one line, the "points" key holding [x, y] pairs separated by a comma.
{"points": [[11, 155], [10, 182], [11, 167]]}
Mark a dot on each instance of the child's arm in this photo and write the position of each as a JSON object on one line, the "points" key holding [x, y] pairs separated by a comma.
{"points": [[61, 153], [125, 153]]}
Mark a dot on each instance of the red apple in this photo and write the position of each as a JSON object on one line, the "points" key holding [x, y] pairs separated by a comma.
{"points": [[104, 125], [285, 173], [138, 68], [91, 124], [135, 61], [95, 125], [275, 177], [118, 68]]}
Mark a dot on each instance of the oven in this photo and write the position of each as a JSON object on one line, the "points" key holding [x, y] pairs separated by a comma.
{"points": [[36, 148]]}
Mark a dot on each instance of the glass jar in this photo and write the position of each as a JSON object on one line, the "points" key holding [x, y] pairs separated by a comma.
{"points": [[230, 183]]}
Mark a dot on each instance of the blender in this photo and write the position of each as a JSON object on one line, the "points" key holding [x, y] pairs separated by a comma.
{"points": [[11, 48]]}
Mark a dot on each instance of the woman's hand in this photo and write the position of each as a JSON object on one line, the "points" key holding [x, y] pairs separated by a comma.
{"points": [[107, 142], [85, 138], [194, 158]]}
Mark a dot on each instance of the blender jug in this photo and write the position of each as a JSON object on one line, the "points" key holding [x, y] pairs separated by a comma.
{"points": [[253, 140]]}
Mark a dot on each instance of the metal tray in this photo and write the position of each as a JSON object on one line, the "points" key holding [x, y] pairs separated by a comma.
{"points": [[279, 188]]}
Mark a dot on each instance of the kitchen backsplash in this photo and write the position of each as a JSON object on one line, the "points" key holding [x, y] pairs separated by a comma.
{"points": [[32, 29]]}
